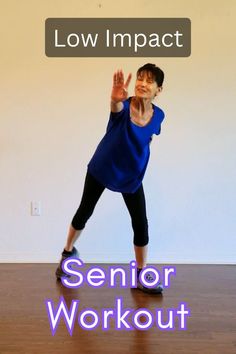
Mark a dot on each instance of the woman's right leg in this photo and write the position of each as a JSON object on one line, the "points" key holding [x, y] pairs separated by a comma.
{"points": [[72, 237], [91, 194]]}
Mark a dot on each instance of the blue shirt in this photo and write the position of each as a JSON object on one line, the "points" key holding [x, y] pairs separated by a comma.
{"points": [[120, 160]]}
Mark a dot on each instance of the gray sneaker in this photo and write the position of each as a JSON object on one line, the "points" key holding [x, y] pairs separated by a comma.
{"points": [[156, 290], [59, 271]]}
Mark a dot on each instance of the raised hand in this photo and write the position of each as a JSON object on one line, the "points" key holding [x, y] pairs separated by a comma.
{"points": [[119, 91]]}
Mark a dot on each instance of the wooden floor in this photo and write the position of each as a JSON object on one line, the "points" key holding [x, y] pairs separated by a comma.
{"points": [[208, 290]]}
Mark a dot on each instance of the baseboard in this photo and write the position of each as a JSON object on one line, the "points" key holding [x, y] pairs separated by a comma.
{"points": [[123, 258]]}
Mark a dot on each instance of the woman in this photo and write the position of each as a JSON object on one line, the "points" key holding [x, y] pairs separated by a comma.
{"points": [[120, 161]]}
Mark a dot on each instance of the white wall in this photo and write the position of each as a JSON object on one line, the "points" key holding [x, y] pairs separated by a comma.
{"points": [[54, 111]]}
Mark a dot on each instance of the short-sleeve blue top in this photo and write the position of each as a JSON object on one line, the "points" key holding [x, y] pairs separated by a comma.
{"points": [[120, 160]]}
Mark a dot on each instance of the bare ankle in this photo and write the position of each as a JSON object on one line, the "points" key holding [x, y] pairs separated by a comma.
{"points": [[68, 248]]}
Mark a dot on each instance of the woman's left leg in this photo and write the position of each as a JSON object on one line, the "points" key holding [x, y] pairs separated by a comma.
{"points": [[136, 205]]}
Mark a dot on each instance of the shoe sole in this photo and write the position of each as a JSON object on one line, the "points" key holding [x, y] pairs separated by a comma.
{"points": [[151, 291]]}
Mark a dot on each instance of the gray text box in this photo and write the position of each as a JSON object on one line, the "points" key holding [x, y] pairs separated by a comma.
{"points": [[118, 37]]}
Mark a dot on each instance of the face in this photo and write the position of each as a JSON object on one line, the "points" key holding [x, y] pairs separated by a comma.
{"points": [[146, 86]]}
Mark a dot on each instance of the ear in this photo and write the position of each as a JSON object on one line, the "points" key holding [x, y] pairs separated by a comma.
{"points": [[159, 89]]}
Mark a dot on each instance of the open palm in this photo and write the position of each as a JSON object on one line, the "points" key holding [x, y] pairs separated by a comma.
{"points": [[120, 87]]}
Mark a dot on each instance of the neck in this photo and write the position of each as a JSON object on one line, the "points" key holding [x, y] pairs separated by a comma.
{"points": [[142, 104]]}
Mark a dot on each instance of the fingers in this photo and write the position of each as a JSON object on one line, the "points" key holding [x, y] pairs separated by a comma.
{"points": [[118, 79], [128, 80]]}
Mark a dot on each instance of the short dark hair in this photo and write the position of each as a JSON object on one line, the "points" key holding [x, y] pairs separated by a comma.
{"points": [[155, 71]]}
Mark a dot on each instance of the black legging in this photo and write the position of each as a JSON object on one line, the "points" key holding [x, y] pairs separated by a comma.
{"points": [[135, 203]]}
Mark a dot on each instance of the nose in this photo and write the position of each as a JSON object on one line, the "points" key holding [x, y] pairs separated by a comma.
{"points": [[143, 83]]}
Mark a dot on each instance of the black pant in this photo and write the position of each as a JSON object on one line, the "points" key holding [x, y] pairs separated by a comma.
{"points": [[135, 203]]}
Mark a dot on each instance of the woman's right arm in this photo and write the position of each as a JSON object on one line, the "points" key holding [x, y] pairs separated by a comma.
{"points": [[119, 91]]}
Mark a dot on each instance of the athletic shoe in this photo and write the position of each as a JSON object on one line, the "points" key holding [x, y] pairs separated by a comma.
{"points": [[59, 271], [149, 278]]}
